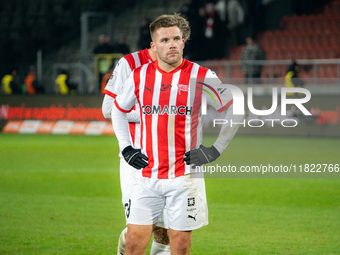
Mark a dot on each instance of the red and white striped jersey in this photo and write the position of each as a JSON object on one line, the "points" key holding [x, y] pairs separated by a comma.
{"points": [[120, 74], [171, 117]]}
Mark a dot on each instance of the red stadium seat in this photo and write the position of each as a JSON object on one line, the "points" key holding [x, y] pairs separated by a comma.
{"points": [[284, 22], [332, 53], [235, 52], [311, 23], [273, 55], [335, 25], [327, 71], [335, 40], [327, 24], [265, 72], [237, 72], [335, 7], [304, 54]]}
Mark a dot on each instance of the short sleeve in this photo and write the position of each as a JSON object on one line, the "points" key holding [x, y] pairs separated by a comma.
{"points": [[126, 98], [118, 77], [217, 94]]}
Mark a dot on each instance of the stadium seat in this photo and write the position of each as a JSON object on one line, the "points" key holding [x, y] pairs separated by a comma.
{"points": [[328, 71], [235, 52], [237, 72], [295, 42], [335, 7], [335, 40], [327, 25], [289, 54], [334, 25], [273, 55], [284, 22], [332, 53], [310, 24]]}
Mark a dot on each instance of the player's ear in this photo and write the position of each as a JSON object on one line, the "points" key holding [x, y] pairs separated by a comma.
{"points": [[183, 43], [153, 46]]}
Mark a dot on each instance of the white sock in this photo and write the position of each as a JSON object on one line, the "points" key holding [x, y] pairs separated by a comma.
{"points": [[159, 249], [122, 242]]}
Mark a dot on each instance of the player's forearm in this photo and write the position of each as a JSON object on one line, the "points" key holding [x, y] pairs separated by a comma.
{"points": [[107, 106], [108, 103], [228, 131], [121, 127], [133, 116]]}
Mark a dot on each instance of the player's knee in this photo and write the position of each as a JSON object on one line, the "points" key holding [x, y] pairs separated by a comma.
{"points": [[132, 242], [180, 243], [160, 235], [180, 247]]}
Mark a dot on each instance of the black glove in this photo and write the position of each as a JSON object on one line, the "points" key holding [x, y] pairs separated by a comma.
{"points": [[134, 157], [201, 156]]}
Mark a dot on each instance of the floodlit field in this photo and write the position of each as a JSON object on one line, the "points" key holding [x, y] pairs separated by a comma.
{"points": [[61, 195]]}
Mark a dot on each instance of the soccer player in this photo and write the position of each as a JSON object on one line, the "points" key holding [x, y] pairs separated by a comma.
{"points": [[170, 139], [124, 67]]}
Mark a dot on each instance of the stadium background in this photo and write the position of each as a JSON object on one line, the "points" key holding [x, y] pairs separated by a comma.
{"points": [[60, 193]]}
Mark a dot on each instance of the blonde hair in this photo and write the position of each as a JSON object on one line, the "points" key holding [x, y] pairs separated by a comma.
{"points": [[167, 20]]}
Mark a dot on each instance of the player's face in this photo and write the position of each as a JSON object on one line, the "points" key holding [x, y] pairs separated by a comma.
{"points": [[168, 44]]}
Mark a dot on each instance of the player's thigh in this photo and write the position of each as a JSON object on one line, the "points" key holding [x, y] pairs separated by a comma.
{"points": [[146, 204], [186, 204], [127, 180]]}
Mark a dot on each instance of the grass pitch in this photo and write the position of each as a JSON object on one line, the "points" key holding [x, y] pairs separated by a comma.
{"points": [[61, 195]]}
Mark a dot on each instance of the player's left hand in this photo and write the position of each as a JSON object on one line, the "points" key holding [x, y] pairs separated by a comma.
{"points": [[201, 156]]}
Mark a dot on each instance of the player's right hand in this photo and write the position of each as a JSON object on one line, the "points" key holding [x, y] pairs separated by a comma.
{"points": [[135, 157]]}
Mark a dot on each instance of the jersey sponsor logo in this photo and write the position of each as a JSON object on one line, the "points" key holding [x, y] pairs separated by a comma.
{"points": [[149, 89], [191, 201], [221, 90], [209, 93], [170, 110], [166, 87], [192, 217], [182, 87]]}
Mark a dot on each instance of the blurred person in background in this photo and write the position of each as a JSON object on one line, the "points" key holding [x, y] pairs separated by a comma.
{"points": [[10, 83], [106, 78], [292, 79], [120, 46], [103, 47], [63, 85], [252, 51], [144, 34], [235, 21], [195, 46], [253, 15], [212, 33], [33, 86]]}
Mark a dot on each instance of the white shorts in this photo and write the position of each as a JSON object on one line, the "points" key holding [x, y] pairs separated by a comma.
{"points": [[127, 181], [183, 199]]}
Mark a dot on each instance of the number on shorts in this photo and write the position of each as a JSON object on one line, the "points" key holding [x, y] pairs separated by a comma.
{"points": [[127, 208]]}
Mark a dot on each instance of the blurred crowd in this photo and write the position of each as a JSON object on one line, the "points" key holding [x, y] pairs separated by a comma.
{"points": [[216, 26], [12, 83]]}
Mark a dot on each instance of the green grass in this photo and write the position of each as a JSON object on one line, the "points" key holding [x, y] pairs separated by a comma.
{"points": [[61, 195]]}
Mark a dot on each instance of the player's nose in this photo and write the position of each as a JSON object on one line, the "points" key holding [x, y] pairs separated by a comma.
{"points": [[173, 44]]}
